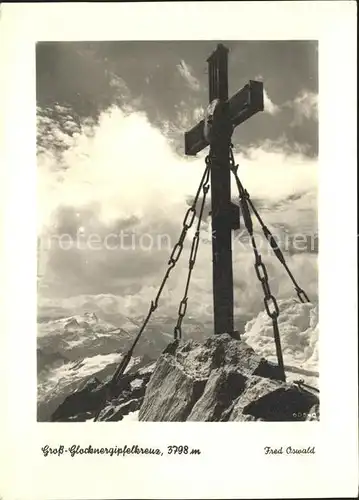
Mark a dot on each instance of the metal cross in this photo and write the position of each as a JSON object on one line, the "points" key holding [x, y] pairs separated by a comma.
{"points": [[216, 131]]}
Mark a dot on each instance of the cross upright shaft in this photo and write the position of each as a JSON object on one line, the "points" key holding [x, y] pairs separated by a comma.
{"points": [[218, 74], [227, 114], [221, 198]]}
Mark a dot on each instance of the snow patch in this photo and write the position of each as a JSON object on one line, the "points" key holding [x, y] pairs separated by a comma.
{"points": [[299, 331], [132, 416]]}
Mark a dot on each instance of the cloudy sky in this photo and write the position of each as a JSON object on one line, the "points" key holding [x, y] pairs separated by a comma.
{"points": [[111, 118]]}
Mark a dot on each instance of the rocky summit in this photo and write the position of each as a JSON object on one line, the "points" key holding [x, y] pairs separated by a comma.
{"points": [[217, 380], [221, 379]]}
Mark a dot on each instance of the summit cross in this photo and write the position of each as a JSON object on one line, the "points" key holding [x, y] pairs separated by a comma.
{"points": [[223, 115]]}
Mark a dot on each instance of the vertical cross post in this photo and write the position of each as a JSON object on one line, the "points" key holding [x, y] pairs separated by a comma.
{"points": [[223, 116], [221, 195]]}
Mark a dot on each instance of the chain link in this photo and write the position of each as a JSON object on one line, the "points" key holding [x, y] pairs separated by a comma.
{"points": [[178, 247], [193, 255], [303, 297], [270, 302], [190, 212], [175, 255], [274, 313], [259, 265]]}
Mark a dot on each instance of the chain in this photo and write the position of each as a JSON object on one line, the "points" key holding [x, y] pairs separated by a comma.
{"points": [[302, 385], [193, 255], [303, 297], [176, 252], [175, 255], [270, 302]]}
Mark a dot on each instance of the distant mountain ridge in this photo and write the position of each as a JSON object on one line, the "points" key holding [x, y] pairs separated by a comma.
{"points": [[81, 336], [72, 349]]}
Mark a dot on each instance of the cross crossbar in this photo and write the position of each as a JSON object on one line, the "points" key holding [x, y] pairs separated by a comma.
{"points": [[242, 105], [223, 115]]}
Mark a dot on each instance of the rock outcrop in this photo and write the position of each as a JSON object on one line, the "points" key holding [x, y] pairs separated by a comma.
{"points": [[221, 379], [126, 397], [218, 380]]}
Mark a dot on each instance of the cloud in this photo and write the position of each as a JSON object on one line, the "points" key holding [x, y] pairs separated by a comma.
{"points": [[198, 113], [186, 73], [187, 116], [281, 145], [305, 106], [269, 106], [122, 174], [272, 171]]}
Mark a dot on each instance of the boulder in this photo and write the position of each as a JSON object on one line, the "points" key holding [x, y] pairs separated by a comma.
{"points": [[126, 396], [82, 401], [221, 388], [220, 379], [116, 411], [171, 392], [272, 401]]}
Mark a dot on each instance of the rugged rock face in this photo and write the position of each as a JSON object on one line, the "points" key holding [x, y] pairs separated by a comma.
{"points": [[221, 379], [127, 397]]}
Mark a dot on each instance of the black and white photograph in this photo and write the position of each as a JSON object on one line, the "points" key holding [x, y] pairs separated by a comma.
{"points": [[178, 239], [179, 250]]}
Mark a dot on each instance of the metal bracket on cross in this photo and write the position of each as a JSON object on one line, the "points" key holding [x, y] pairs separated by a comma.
{"points": [[233, 215], [216, 122]]}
